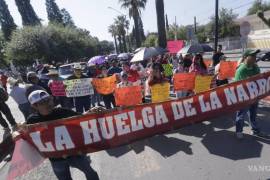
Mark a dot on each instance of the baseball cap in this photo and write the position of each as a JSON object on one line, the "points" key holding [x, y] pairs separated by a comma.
{"points": [[250, 52], [37, 96], [77, 66]]}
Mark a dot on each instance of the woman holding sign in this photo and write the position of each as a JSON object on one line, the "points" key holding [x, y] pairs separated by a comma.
{"points": [[198, 65]]}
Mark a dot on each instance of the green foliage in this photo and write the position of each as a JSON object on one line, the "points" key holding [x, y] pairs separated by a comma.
{"points": [[50, 43], [151, 40], [6, 20], [180, 32], [54, 14], [67, 19], [227, 27], [29, 17], [2, 46], [258, 5], [105, 47]]}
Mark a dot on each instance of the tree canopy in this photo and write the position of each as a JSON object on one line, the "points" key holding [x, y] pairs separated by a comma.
{"points": [[54, 14], [50, 43], [258, 5]]}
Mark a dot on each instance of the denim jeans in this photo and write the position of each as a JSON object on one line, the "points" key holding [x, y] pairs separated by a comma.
{"points": [[96, 98], [82, 103], [240, 118], [25, 109], [61, 168]]}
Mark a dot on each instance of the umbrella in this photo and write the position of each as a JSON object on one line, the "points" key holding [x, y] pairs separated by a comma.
{"points": [[207, 48], [191, 49], [161, 50], [145, 53], [97, 60], [138, 49], [124, 56]]}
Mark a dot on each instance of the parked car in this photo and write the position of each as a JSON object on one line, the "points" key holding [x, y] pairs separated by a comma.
{"points": [[263, 56], [67, 70]]}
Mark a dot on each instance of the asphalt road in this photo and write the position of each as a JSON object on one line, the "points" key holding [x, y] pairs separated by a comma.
{"points": [[204, 151]]}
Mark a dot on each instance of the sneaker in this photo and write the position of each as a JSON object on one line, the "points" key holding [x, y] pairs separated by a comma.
{"points": [[239, 135]]}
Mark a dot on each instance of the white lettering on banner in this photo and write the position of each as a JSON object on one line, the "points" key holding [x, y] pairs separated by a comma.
{"points": [[107, 133], [262, 86], [242, 95], [121, 125], [215, 102], [190, 111], [148, 118], [90, 134], [230, 96], [78, 87], [268, 85], [178, 110], [205, 106], [47, 147], [135, 125], [62, 138], [253, 89], [161, 117]]}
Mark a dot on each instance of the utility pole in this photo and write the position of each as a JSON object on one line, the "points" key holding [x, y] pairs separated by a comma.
{"points": [[216, 26], [195, 25], [175, 31]]}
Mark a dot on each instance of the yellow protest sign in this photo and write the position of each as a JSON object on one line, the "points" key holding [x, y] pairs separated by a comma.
{"points": [[160, 92], [203, 83]]}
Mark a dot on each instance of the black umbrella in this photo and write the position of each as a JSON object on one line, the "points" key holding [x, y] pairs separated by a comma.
{"points": [[195, 48]]}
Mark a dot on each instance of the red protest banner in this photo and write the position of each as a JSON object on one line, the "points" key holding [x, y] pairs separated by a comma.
{"points": [[128, 96], [184, 81], [95, 132], [227, 69], [57, 88]]}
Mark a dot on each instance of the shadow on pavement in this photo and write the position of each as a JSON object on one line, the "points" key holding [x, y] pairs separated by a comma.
{"points": [[166, 146]]}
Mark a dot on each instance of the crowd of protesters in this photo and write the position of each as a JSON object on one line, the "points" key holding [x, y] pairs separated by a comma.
{"points": [[37, 104]]}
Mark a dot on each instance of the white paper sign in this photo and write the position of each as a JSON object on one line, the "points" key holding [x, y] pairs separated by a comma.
{"points": [[79, 87]]}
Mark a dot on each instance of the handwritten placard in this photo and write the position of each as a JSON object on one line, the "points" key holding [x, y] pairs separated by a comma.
{"points": [[202, 83], [79, 87], [128, 96], [57, 88], [105, 85], [184, 81], [227, 69], [168, 69], [160, 92]]}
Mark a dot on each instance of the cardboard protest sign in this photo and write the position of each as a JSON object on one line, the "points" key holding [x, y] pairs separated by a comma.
{"points": [[57, 88], [168, 69], [184, 81], [202, 83], [227, 69], [96, 132], [160, 92], [105, 85], [128, 96], [79, 87]]}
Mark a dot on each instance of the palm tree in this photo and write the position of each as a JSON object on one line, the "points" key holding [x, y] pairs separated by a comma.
{"points": [[162, 40], [113, 30], [134, 7], [122, 24]]}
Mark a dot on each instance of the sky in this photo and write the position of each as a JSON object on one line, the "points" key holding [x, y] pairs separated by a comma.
{"points": [[95, 16]]}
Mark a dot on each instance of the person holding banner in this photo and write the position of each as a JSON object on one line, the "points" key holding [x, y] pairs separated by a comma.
{"points": [[124, 80], [81, 103], [133, 75], [220, 82], [247, 69], [198, 65], [42, 102], [156, 76]]}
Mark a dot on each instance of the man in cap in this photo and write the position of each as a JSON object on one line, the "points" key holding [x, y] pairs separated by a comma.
{"points": [[82, 103], [247, 69], [35, 84], [42, 102]]}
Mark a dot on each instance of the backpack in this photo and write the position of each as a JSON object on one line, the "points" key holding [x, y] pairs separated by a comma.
{"points": [[3, 95]]}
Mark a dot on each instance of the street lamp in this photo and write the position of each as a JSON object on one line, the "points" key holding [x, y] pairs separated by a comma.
{"points": [[119, 12]]}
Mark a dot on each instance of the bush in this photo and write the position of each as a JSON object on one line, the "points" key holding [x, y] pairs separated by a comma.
{"points": [[50, 43]]}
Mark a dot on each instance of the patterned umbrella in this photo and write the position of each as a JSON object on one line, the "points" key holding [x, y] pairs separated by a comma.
{"points": [[97, 60]]}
